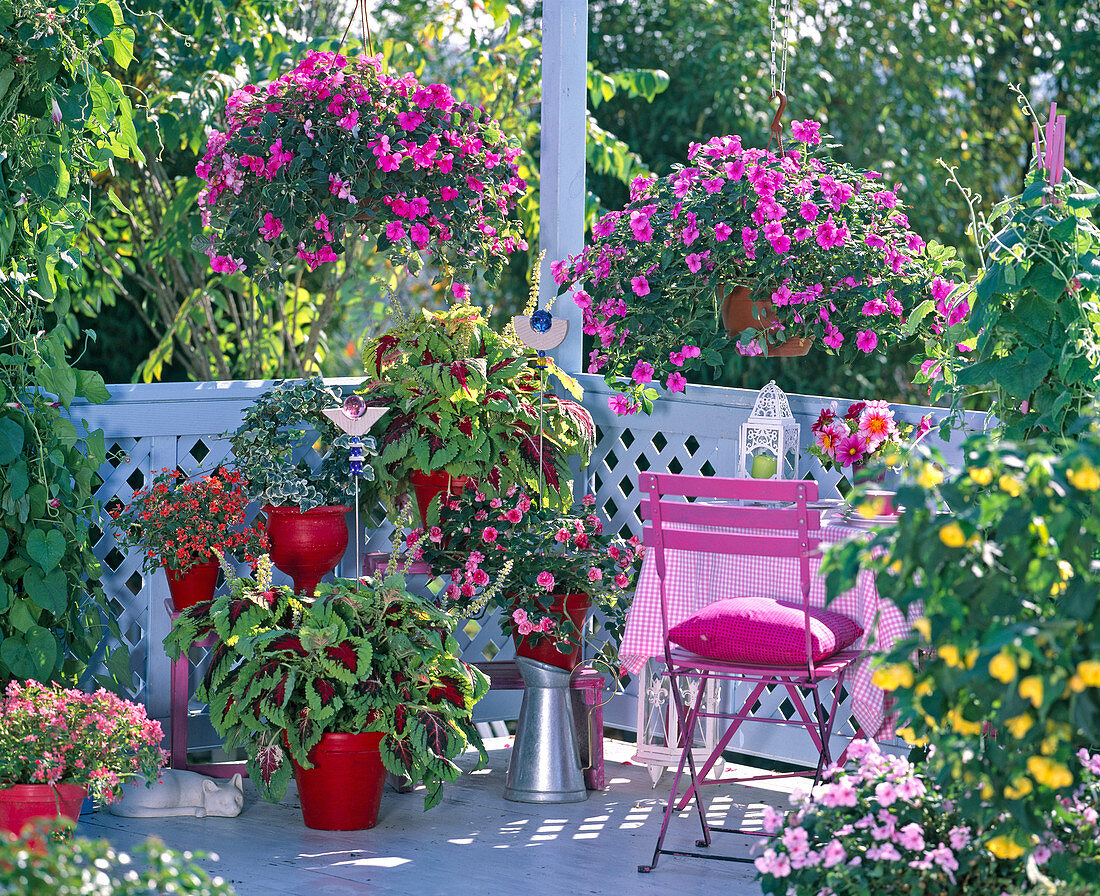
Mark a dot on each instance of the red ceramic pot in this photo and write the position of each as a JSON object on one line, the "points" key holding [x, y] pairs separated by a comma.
{"points": [[576, 607], [307, 546], [426, 486], [22, 803], [343, 790], [740, 314], [196, 585]]}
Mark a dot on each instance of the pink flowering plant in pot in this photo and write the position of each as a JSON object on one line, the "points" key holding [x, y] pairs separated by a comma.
{"points": [[509, 552], [863, 441], [828, 245], [335, 150], [50, 734]]}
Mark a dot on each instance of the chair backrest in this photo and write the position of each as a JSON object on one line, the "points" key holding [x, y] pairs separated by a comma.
{"points": [[741, 517]]}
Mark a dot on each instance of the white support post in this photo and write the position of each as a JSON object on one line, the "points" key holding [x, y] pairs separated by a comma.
{"points": [[561, 170], [157, 666]]}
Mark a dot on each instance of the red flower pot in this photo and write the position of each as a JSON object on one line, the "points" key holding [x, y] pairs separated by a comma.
{"points": [[307, 546], [22, 803], [343, 790], [738, 316], [427, 485], [576, 606], [196, 585]]}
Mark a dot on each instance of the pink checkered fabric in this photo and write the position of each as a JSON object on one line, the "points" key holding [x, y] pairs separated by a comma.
{"points": [[763, 630], [694, 580]]}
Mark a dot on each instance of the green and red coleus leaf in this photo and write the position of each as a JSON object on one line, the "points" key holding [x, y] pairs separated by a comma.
{"points": [[451, 689], [344, 654]]}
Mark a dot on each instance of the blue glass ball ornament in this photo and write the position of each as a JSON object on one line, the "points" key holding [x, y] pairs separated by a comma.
{"points": [[541, 321]]}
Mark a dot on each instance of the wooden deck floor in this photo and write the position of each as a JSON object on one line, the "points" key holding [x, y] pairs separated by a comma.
{"points": [[475, 842]]}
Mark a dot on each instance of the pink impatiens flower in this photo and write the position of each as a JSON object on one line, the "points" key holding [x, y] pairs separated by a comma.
{"points": [[867, 341], [639, 285], [642, 373], [676, 382], [489, 534], [545, 580], [271, 228]]}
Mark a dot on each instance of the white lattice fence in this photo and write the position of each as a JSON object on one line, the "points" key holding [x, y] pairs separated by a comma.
{"points": [[148, 427]]}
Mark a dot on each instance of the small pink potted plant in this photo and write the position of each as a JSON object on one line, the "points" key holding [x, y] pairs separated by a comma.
{"points": [[59, 744], [543, 567]]}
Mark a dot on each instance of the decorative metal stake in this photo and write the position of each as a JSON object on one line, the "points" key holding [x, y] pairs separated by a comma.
{"points": [[355, 418], [541, 332]]}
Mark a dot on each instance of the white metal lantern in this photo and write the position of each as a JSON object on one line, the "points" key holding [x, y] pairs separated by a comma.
{"points": [[770, 438]]}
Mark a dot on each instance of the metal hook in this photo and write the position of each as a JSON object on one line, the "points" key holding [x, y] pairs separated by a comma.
{"points": [[777, 124]]}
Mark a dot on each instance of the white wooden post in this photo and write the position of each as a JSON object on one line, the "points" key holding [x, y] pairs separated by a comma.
{"points": [[561, 170]]}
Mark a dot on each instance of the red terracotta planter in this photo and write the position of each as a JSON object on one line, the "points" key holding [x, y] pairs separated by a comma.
{"points": [[196, 585], [22, 803], [576, 606], [738, 316], [427, 485], [343, 790], [307, 546]]}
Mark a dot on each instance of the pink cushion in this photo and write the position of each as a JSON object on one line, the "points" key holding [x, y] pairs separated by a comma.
{"points": [[763, 630]]}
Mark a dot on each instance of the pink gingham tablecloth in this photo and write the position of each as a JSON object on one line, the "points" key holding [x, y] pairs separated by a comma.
{"points": [[695, 579]]}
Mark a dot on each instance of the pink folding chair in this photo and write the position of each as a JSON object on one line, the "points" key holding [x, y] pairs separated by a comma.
{"points": [[762, 640]]}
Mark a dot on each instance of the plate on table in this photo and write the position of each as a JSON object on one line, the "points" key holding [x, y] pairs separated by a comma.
{"points": [[846, 515]]}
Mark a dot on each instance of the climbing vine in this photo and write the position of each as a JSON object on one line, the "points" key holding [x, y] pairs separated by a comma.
{"points": [[63, 117]]}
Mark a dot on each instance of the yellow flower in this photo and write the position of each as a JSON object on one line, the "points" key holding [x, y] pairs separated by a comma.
{"points": [[910, 737], [1007, 484], [949, 653], [1020, 787], [1087, 478], [952, 535], [1076, 684], [892, 677], [963, 726], [987, 790], [895, 567], [1065, 570], [869, 509], [981, 475], [1089, 672], [1049, 744], [929, 476], [1019, 726], [1031, 688], [1004, 848], [925, 687], [1003, 667], [1053, 774], [924, 626]]}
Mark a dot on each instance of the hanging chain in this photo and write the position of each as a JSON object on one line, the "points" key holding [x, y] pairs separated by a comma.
{"points": [[780, 33]]}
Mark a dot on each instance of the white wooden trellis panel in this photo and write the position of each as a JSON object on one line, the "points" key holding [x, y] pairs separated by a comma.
{"points": [[164, 425]]}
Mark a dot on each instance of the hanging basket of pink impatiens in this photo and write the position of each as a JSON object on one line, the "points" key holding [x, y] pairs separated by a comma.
{"points": [[336, 150], [825, 245]]}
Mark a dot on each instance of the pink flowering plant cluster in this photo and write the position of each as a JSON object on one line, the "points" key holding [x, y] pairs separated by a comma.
{"points": [[511, 553], [867, 431], [55, 735], [336, 150], [875, 826], [828, 244]]}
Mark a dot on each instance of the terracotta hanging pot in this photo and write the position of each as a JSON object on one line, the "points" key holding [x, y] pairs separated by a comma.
{"points": [[194, 586], [740, 313], [21, 803], [343, 790], [426, 486], [307, 546], [576, 607]]}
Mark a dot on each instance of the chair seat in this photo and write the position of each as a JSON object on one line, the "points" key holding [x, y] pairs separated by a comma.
{"points": [[831, 667]]}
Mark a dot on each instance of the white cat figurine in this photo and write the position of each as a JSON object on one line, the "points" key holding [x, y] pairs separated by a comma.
{"points": [[178, 792]]}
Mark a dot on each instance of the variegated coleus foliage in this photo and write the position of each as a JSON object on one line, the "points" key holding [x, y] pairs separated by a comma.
{"points": [[466, 400], [286, 670]]}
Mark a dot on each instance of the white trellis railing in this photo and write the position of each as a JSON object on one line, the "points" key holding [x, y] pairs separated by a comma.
{"points": [[148, 427]]}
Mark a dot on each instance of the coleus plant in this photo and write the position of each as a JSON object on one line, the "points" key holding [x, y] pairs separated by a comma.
{"points": [[366, 656], [465, 400]]}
